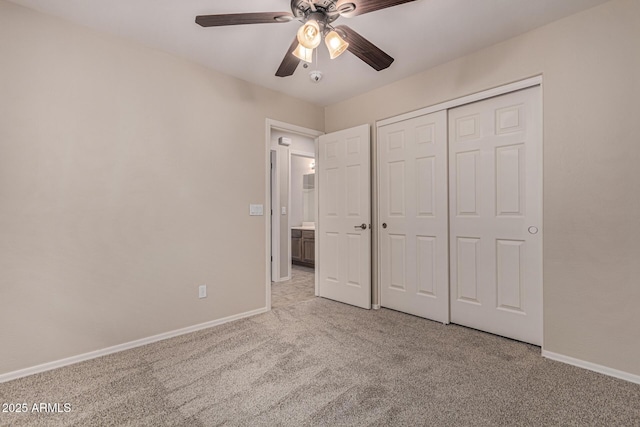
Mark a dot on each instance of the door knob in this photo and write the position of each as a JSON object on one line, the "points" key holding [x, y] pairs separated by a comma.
{"points": [[533, 230], [384, 225], [362, 226]]}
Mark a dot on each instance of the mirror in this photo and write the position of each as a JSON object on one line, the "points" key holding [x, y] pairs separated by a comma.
{"points": [[308, 197]]}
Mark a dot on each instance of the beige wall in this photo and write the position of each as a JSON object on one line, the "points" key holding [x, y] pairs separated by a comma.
{"points": [[591, 69], [126, 176]]}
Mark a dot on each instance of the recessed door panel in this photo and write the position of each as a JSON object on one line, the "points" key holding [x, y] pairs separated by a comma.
{"points": [[398, 261], [425, 134], [354, 261], [426, 265], [331, 184], [331, 153], [353, 148], [467, 128], [509, 119], [330, 260], [467, 269], [396, 188], [354, 196], [510, 180], [467, 182], [510, 257], [395, 141], [425, 185]]}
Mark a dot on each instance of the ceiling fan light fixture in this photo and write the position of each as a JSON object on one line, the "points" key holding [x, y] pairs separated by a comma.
{"points": [[335, 44], [303, 53], [309, 34]]}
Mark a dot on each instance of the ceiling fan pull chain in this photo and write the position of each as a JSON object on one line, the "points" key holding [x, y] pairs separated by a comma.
{"points": [[316, 75]]}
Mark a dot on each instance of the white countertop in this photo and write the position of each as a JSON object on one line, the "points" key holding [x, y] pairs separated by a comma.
{"points": [[304, 227]]}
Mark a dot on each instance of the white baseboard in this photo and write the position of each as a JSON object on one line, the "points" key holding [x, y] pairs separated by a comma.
{"points": [[126, 346], [592, 367]]}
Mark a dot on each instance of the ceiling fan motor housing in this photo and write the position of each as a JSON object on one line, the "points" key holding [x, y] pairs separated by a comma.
{"points": [[322, 11]]}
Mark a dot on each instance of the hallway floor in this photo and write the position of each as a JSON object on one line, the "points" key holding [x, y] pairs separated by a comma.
{"points": [[301, 287]]}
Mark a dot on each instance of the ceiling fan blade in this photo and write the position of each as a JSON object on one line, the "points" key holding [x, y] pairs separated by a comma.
{"points": [[243, 18], [364, 49], [289, 62], [366, 6]]}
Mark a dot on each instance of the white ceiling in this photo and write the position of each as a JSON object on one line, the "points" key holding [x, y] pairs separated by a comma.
{"points": [[419, 35]]}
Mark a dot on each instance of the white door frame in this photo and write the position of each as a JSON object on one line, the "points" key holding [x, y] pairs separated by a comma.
{"points": [[478, 96], [270, 125], [274, 194]]}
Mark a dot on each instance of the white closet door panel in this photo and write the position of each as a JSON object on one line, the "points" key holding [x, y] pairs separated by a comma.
{"points": [[495, 155], [413, 204]]}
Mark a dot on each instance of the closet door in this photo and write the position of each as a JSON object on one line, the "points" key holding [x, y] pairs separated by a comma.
{"points": [[495, 167], [412, 193]]}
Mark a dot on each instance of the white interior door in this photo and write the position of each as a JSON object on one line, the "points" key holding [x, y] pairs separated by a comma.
{"points": [[344, 258], [413, 225], [495, 166]]}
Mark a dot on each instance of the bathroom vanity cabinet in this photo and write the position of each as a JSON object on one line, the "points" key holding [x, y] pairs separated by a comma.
{"points": [[303, 247]]}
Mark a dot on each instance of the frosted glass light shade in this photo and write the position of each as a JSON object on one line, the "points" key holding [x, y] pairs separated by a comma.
{"points": [[309, 34], [335, 44], [303, 53]]}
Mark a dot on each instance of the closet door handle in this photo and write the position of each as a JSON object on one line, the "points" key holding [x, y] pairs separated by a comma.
{"points": [[384, 225], [362, 226]]}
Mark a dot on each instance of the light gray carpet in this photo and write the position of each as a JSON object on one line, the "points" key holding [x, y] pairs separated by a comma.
{"points": [[300, 288], [323, 363]]}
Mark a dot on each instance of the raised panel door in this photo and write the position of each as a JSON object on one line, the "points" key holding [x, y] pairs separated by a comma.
{"points": [[495, 154], [412, 193], [344, 194]]}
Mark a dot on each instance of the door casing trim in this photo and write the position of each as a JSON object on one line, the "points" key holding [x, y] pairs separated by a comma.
{"points": [[468, 99]]}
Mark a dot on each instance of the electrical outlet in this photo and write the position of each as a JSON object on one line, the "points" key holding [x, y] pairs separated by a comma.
{"points": [[202, 291]]}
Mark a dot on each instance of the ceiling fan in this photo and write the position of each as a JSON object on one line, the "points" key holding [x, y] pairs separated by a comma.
{"points": [[317, 17]]}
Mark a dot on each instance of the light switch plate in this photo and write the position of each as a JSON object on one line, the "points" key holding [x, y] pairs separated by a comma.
{"points": [[283, 210], [256, 210]]}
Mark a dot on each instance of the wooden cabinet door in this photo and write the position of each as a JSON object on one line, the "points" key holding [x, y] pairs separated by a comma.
{"points": [[308, 250], [296, 248]]}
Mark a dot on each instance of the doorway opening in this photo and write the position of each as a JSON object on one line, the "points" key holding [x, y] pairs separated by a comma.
{"points": [[301, 225], [291, 156]]}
